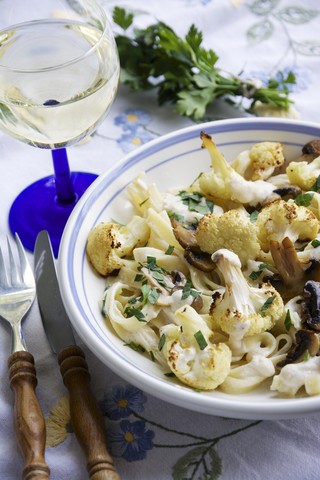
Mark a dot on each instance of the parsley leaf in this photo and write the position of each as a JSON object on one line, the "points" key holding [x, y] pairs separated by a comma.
{"points": [[196, 202], [184, 73], [316, 186], [169, 250], [254, 216], [135, 312], [188, 290], [122, 18], [267, 304], [135, 346], [287, 321], [304, 199], [162, 341], [200, 340]]}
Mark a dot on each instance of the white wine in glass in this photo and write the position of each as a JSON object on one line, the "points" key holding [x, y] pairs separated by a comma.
{"points": [[59, 73]]}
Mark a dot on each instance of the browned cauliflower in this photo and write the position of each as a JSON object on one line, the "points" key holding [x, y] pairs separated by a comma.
{"points": [[109, 242], [231, 230], [260, 162], [281, 219]]}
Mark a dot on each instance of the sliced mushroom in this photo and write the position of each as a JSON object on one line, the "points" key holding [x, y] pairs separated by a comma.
{"points": [[197, 303], [312, 147], [285, 193], [306, 341], [288, 192], [184, 236], [179, 279], [199, 259], [291, 276], [311, 310]]}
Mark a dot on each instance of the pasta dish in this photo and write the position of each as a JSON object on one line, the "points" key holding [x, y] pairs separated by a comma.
{"points": [[218, 281]]}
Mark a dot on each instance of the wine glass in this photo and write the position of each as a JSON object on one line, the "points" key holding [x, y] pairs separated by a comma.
{"points": [[59, 74]]}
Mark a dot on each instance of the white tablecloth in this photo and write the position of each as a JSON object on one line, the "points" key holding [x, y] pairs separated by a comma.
{"points": [[257, 37]]}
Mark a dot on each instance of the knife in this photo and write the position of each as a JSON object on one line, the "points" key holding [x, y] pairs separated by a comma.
{"points": [[86, 418]]}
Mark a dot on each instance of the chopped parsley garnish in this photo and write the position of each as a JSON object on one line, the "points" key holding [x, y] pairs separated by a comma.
{"points": [[103, 309], [267, 303], [188, 290], [287, 321], [138, 277], [316, 186], [169, 374], [197, 178], [169, 250], [135, 346], [175, 216], [315, 243], [200, 340], [149, 294], [304, 199], [256, 273], [135, 312], [143, 202], [254, 216], [306, 355], [196, 202], [162, 341], [157, 272], [152, 356]]}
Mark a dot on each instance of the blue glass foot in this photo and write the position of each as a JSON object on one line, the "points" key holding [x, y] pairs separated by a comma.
{"points": [[38, 208]]}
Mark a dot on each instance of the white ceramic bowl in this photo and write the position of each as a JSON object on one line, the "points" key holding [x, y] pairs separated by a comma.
{"points": [[170, 161]]}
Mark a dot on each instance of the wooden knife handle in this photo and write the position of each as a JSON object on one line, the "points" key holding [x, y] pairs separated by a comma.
{"points": [[30, 426], [86, 418]]}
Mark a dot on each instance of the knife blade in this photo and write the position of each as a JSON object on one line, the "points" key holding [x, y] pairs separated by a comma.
{"points": [[86, 418]]}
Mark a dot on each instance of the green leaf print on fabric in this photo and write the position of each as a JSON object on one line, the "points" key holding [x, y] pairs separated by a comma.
{"points": [[297, 15]]}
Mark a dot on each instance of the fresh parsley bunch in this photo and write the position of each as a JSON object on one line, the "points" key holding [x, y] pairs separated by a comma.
{"points": [[184, 73]]}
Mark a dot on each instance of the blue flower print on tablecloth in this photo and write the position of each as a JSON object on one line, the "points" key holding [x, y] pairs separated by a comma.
{"points": [[133, 139], [121, 401], [134, 123], [131, 119], [130, 440]]}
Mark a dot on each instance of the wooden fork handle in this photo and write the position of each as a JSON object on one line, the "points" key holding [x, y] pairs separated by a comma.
{"points": [[29, 422], [86, 418]]}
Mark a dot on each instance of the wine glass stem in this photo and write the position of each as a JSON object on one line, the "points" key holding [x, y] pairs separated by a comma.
{"points": [[64, 186]]}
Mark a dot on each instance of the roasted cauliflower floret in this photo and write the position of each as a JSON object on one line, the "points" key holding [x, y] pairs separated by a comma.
{"points": [[190, 353], [304, 174], [233, 231], [243, 309], [281, 219], [225, 183], [294, 376], [109, 242], [260, 162]]}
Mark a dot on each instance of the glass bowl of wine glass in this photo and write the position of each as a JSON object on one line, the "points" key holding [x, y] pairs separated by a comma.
{"points": [[59, 74]]}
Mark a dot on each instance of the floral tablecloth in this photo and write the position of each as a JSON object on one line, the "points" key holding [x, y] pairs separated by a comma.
{"points": [[148, 438]]}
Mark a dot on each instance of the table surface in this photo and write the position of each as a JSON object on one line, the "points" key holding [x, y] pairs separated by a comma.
{"points": [[258, 37]]}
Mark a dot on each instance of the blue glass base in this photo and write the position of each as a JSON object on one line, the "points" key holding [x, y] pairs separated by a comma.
{"points": [[37, 208]]}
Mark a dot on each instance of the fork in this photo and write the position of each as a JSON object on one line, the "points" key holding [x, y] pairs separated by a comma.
{"points": [[17, 293]]}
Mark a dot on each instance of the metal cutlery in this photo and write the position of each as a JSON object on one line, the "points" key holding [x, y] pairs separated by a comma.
{"points": [[86, 418], [17, 293]]}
